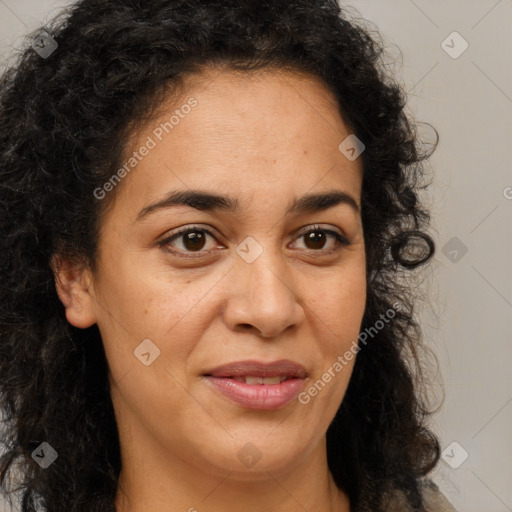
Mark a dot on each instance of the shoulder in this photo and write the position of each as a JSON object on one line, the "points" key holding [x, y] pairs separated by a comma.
{"points": [[433, 499]]}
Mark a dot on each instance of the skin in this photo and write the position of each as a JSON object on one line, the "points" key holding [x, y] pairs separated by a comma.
{"points": [[265, 139]]}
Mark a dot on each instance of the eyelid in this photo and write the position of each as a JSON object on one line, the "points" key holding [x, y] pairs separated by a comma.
{"points": [[339, 237], [180, 231], [319, 227]]}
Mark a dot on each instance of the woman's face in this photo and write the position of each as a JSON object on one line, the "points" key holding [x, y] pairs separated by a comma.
{"points": [[263, 280]]}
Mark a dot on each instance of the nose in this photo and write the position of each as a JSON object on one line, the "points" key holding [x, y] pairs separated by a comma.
{"points": [[262, 296]]}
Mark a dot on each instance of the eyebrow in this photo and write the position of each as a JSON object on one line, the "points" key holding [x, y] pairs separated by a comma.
{"points": [[207, 201]]}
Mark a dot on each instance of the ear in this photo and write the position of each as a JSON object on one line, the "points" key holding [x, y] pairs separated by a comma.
{"points": [[73, 283]]}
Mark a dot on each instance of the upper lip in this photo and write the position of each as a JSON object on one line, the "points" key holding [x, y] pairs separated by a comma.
{"points": [[283, 367]]}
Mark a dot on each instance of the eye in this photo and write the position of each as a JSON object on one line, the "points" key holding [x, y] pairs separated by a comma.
{"points": [[316, 237], [193, 239]]}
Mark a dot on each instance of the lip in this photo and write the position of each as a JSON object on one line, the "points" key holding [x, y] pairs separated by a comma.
{"points": [[283, 367], [258, 396]]}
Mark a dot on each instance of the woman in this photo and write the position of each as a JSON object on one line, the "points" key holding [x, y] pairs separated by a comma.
{"points": [[206, 207]]}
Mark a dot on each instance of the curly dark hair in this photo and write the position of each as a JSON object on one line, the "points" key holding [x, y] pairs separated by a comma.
{"points": [[64, 122]]}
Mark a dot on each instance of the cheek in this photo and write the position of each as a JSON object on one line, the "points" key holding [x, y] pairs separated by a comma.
{"points": [[338, 313], [168, 310], [342, 302]]}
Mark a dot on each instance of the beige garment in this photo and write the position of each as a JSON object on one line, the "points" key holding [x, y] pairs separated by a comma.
{"points": [[433, 498]]}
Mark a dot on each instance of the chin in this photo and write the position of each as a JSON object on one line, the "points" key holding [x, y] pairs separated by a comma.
{"points": [[250, 457]]}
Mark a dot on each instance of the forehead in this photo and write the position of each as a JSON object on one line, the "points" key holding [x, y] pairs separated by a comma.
{"points": [[244, 107], [269, 133]]}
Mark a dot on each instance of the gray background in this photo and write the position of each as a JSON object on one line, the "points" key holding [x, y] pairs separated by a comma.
{"points": [[467, 315], [467, 319]]}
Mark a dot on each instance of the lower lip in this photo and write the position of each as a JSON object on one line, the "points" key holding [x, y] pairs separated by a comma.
{"points": [[258, 396]]}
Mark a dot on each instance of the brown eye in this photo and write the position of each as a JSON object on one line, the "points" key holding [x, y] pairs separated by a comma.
{"points": [[194, 240], [316, 238], [191, 240]]}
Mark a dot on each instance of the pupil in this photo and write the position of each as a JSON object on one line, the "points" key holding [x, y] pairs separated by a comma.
{"points": [[316, 238], [192, 240]]}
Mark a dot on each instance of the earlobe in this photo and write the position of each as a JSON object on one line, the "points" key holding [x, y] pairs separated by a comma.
{"points": [[75, 291]]}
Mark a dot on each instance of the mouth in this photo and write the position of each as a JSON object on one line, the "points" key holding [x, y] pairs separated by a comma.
{"points": [[266, 381], [258, 385]]}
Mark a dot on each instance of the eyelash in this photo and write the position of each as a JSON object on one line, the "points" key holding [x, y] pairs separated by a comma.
{"points": [[342, 241]]}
